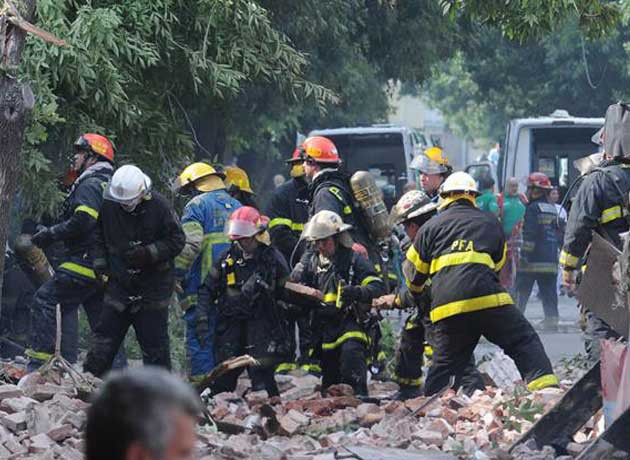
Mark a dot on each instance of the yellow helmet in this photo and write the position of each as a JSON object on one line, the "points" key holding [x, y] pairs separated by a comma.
{"points": [[237, 177], [202, 176], [431, 161]]}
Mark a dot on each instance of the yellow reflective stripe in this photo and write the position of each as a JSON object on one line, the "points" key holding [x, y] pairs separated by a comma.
{"points": [[461, 258], [286, 367], [538, 267], [279, 221], [414, 258], [409, 382], [568, 260], [368, 279], [610, 214], [381, 356], [345, 337], [444, 203], [428, 351], [276, 222], [470, 305], [207, 246], [79, 269], [347, 210], [311, 368], [231, 279], [413, 288], [501, 262], [545, 381], [330, 297], [410, 324], [86, 209], [39, 355]]}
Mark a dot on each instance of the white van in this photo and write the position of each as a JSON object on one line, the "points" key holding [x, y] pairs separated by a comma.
{"points": [[385, 150], [547, 144]]}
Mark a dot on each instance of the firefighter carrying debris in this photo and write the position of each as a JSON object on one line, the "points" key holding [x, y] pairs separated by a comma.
{"points": [[349, 283], [245, 284], [412, 211], [600, 205], [461, 251]]}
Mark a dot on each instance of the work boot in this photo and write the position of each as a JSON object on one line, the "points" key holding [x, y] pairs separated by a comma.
{"points": [[408, 392], [549, 324]]}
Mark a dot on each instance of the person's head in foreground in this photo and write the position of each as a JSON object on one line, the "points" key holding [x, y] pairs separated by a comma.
{"points": [[144, 413]]}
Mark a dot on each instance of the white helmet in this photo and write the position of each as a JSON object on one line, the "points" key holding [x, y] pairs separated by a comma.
{"points": [[128, 186], [412, 204], [324, 224], [459, 182]]}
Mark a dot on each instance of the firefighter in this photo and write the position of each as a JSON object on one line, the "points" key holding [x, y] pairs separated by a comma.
{"points": [[74, 282], [433, 168], [348, 283], [245, 285], [238, 185], [203, 222], [539, 253], [329, 190], [137, 238], [412, 211], [460, 252], [288, 212], [600, 206]]}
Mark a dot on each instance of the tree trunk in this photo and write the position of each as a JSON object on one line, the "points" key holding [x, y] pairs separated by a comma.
{"points": [[16, 101]]}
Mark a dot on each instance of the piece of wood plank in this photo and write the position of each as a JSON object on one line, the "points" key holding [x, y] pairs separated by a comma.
{"points": [[616, 438]]}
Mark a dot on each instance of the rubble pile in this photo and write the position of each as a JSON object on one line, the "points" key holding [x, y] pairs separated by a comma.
{"points": [[42, 420], [303, 425]]}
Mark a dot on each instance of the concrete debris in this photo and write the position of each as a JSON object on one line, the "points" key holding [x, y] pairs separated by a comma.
{"points": [[40, 419]]}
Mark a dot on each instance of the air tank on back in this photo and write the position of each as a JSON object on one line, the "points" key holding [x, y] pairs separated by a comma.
{"points": [[370, 198], [34, 258]]}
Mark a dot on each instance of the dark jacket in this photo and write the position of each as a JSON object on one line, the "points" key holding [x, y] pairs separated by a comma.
{"points": [[598, 206], [539, 253], [153, 224], [288, 212], [79, 214], [460, 251], [246, 291], [334, 321]]}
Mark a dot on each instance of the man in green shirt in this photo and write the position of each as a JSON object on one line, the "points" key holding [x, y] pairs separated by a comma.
{"points": [[487, 201]]}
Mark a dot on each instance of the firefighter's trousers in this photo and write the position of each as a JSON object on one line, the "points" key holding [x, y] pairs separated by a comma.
{"points": [[456, 337], [346, 363], [236, 337], [200, 340], [70, 292], [410, 357], [547, 286], [595, 330], [150, 324]]}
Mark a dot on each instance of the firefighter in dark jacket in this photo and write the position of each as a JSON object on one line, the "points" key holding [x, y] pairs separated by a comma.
{"points": [[74, 282], [412, 211], [460, 252], [348, 283], [137, 238], [599, 207], [432, 168], [539, 254], [329, 190], [245, 285], [288, 212]]}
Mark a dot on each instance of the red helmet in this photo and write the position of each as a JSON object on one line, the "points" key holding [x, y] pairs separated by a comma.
{"points": [[539, 180], [95, 144], [297, 157], [320, 149], [245, 222]]}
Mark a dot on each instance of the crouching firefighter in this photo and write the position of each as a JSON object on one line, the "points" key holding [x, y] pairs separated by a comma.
{"points": [[412, 211], [137, 238], [244, 286], [461, 252], [74, 282], [203, 221], [349, 283]]}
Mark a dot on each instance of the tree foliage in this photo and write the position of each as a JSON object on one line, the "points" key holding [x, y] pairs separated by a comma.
{"points": [[493, 79]]}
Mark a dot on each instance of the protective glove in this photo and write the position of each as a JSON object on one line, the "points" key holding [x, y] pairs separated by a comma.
{"points": [[138, 256], [251, 287], [101, 269], [43, 237], [351, 293]]}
